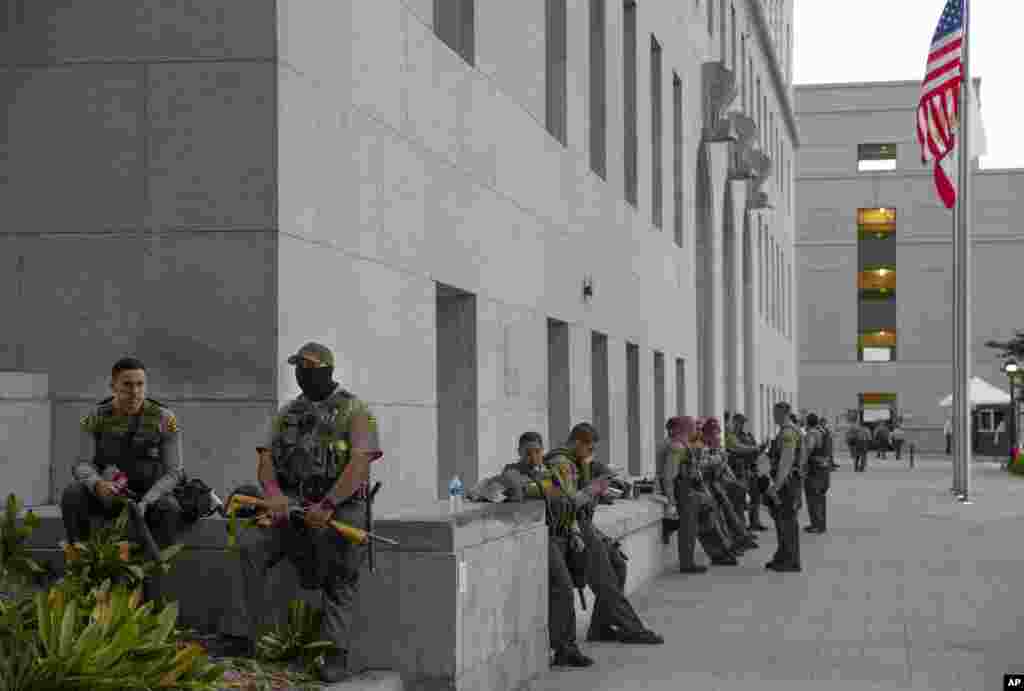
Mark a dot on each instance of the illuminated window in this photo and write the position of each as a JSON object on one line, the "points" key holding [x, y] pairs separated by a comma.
{"points": [[877, 283], [876, 157], [877, 223], [877, 346], [878, 407]]}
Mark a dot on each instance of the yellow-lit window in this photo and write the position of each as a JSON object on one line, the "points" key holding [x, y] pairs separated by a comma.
{"points": [[876, 346], [877, 223], [877, 283]]}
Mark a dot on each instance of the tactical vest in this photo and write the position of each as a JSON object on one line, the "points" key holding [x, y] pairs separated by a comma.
{"points": [[138, 455], [312, 445], [581, 475], [775, 452]]}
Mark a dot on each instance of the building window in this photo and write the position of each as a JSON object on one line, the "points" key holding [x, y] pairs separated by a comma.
{"points": [[875, 157], [598, 107], [877, 407], [453, 24], [711, 17], [629, 97], [877, 223], [877, 346], [876, 282], [656, 143], [554, 43], [677, 156]]}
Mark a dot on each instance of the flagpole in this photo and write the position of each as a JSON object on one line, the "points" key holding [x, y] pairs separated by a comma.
{"points": [[963, 370], [954, 409]]}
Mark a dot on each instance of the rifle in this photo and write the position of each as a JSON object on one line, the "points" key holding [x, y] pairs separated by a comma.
{"points": [[369, 526], [350, 533]]}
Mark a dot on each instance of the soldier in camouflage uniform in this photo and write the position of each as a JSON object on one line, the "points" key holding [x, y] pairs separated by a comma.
{"points": [[318, 453], [783, 494], [534, 480], [132, 442], [583, 480]]}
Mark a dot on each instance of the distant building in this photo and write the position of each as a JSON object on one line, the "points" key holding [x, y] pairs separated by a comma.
{"points": [[875, 261]]}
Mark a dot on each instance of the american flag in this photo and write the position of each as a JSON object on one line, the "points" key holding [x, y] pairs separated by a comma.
{"points": [[939, 108]]}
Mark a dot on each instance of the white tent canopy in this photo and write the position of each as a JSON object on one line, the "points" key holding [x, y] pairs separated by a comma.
{"points": [[982, 393]]}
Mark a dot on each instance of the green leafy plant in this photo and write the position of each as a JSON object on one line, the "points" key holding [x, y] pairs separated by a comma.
{"points": [[119, 645], [16, 567], [106, 555], [297, 640]]}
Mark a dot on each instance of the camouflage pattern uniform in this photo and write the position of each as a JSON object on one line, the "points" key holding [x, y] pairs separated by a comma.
{"points": [[561, 520], [785, 510], [151, 461], [310, 443], [611, 608]]}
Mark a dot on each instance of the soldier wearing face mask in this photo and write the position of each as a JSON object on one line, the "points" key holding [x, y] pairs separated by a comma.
{"points": [[317, 456]]}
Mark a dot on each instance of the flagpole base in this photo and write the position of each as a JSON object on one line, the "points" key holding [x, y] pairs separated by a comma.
{"points": [[964, 500]]}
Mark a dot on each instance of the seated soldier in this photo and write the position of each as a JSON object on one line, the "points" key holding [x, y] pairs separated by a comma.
{"points": [[314, 469], [532, 479], [129, 450], [583, 480]]}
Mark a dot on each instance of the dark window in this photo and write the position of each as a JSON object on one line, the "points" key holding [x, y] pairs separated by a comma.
{"points": [[732, 58], [598, 107], [599, 394], [634, 443], [629, 97], [453, 24], [711, 17], [554, 42], [656, 142], [677, 156]]}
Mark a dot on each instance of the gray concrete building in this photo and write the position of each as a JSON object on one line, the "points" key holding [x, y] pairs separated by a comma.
{"points": [[501, 215], [875, 255]]}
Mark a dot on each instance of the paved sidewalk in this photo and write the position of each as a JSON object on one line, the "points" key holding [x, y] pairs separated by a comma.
{"points": [[909, 590]]}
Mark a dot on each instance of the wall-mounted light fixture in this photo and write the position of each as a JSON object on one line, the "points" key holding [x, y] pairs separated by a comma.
{"points": [[588, 287]]}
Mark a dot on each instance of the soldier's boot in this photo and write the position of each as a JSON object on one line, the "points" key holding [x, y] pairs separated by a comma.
{"points": [[335, 667], [570, 656]]}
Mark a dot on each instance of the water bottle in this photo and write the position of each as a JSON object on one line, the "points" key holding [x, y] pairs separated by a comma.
{"points": [[455, 493]]}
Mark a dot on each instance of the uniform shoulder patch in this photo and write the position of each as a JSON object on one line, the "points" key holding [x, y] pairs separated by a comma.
{"points": [[169, 423]]}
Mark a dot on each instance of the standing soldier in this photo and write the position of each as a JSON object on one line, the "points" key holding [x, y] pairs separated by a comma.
{"points": [[534, 480], [783, 493], [129, 445], [583, 480], [674, 461], [747, 439], [317, 456], [743, 455], [817, 449]]}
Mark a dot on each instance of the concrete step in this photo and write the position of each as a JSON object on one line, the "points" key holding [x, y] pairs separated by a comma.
{"points": [[372, 680]]}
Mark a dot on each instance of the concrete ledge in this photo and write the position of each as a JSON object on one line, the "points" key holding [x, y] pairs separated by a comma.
{"points": [[461, 604], [370, 681]]}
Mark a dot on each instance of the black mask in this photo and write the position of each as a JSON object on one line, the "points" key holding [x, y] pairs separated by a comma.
{"points": [[316, 382]]}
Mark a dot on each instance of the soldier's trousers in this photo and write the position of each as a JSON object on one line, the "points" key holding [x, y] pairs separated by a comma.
{"points": [[611, 608], [816, 486], [733, 520], [78, 506], [698, 518], [787, 528], [755, 497], [561, 606], [738, 490], [324, 561]]}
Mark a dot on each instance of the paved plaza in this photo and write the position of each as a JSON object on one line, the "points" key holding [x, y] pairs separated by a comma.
{"points": [[907, 591]]}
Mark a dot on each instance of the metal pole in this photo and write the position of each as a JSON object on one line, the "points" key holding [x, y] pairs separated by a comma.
{"points": [[954, 414], [1010, 424], [963, 241]]}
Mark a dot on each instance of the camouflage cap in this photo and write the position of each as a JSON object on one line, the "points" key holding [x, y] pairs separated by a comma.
{"points": [[317, 350]]}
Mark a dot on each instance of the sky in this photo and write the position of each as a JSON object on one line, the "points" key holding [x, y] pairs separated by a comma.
{"points": [[887, 40]]}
